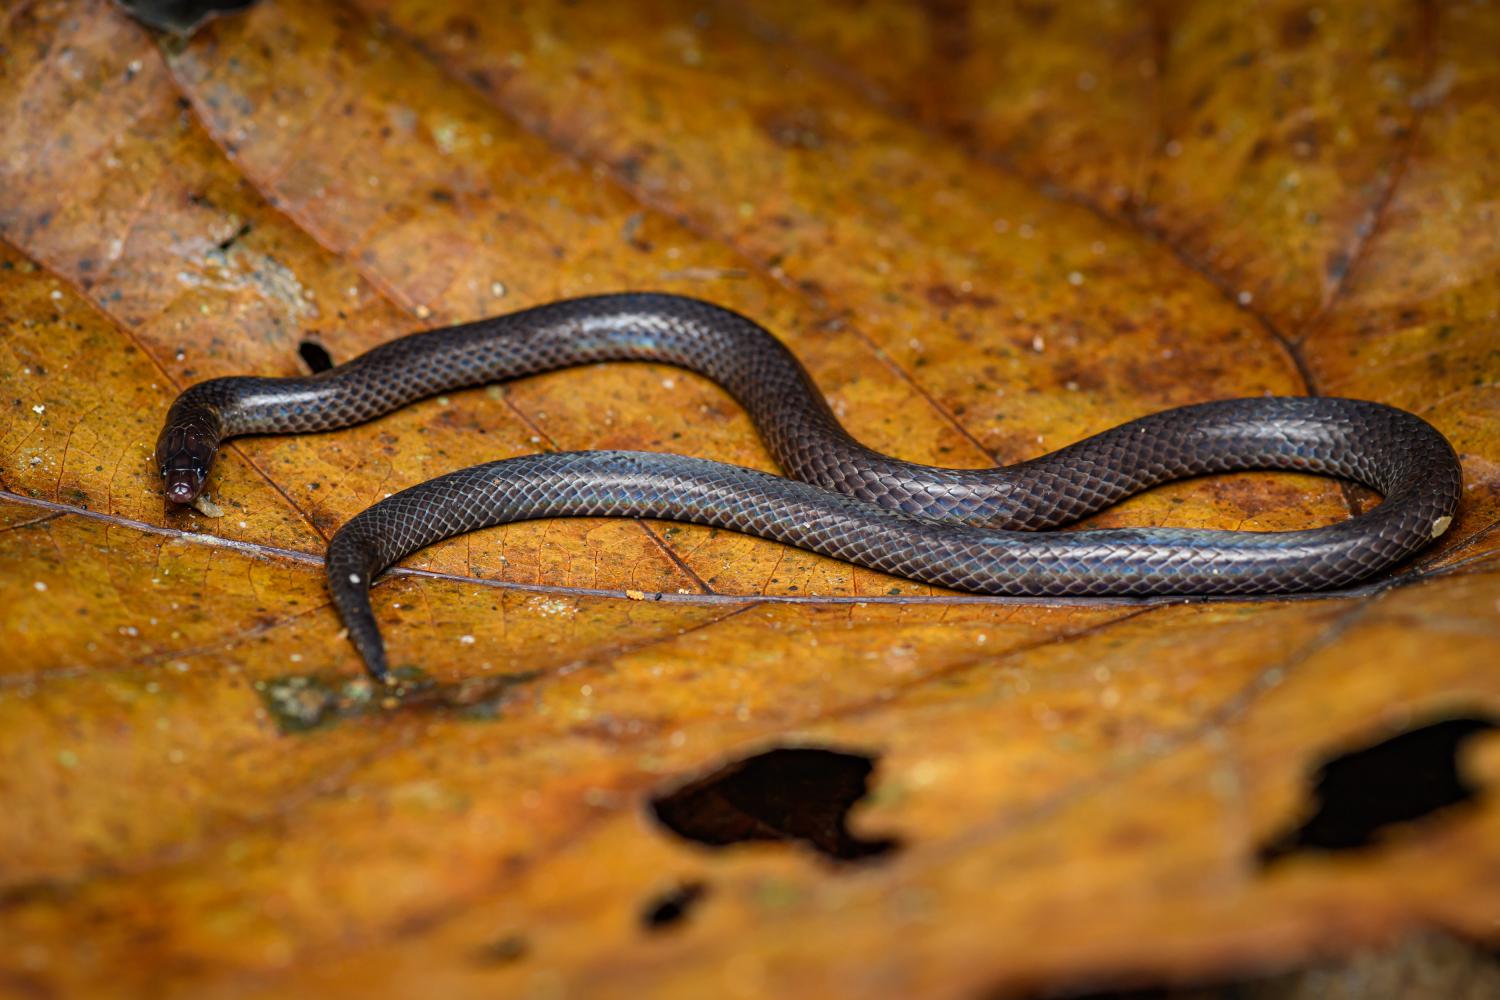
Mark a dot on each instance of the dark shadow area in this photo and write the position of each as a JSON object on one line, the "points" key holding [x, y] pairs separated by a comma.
{"points": [[1421, 965], [502, 951], [1228, 992], [669, 908], [315, 356], [801, 794], [1359, 794]]}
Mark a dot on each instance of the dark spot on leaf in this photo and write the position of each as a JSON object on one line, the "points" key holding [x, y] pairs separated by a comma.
{"points": [[946, 297], [630, 167], [461, 27], [1037, 15], [1338, 265], [234, 237], [1360, 794], [315, 356], [796, 128], [1298, 28], [1306, 140], [951, 27], [502, 951], [630, 231], [672, 906], [800, 794]]}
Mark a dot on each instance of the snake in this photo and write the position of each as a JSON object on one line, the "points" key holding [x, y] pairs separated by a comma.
{"points": [[976, 530]]}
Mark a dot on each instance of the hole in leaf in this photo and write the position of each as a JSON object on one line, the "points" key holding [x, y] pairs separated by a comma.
{"points": [[1404, 778], [800, 794], [671, 906], [315, 356]]}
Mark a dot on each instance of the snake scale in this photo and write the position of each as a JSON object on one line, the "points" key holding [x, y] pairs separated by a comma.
{"points": [[970, 529]]}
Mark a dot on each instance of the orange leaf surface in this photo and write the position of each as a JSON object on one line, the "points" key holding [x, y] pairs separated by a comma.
{"points": [[988, 231]]}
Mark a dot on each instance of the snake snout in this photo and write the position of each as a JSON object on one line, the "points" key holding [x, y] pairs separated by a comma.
{"points": [[183, 486]]}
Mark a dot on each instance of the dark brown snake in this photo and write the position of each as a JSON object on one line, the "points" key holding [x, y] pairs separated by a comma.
{"points": [[962, 528]]}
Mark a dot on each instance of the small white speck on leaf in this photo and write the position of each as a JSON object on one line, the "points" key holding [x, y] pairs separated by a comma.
{"points": [[39, 585], [39, 408], [467, 640]]}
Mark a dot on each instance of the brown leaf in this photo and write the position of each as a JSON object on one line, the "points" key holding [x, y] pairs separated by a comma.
{"points": [[988, 230]]}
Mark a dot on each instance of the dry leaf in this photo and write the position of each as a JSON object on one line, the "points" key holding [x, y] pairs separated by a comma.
{"points": [[988, 231]]}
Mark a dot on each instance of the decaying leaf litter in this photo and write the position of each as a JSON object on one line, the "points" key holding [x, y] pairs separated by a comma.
{"points": [[969, 279]]}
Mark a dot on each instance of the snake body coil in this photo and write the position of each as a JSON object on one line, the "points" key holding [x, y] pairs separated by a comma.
{"points": [[963, 528]]}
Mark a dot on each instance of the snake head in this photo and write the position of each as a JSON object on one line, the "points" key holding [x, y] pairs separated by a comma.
{"points": [[184, 455]]}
